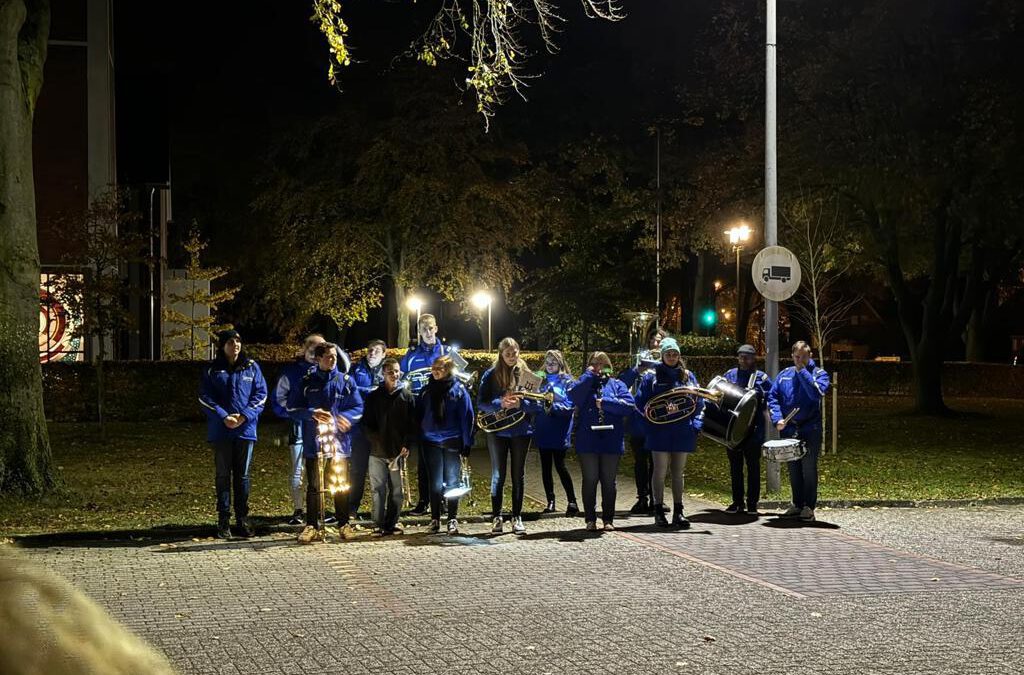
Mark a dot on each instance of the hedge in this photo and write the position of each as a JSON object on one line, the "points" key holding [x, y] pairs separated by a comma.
{"points": [[167, 390]]}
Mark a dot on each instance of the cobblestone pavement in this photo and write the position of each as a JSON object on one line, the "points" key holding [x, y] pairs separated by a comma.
{"points": [[720, 598]]}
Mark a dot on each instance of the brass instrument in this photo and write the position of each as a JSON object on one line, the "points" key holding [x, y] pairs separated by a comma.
{"points": [[678, 404], [505, 418], [399, 464], [417, 379], [464, 485]]}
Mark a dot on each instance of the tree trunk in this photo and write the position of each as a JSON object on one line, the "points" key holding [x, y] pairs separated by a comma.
{"points": [[398, 296], [698, 294], [25, 460], [927, 372]]}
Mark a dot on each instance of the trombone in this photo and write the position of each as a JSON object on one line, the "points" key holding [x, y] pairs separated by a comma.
{"points": [[678, 404]]}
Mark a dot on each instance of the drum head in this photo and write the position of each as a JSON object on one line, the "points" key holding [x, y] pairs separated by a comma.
{"points": [[744, 413], [782, 443]]}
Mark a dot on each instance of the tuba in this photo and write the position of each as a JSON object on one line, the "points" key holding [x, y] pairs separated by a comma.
{"points": [[678, 404]]}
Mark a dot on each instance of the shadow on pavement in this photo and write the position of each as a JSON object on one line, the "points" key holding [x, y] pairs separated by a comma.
{"points": [[720, 517], [651, 528], [170, 532], [795, 523]]}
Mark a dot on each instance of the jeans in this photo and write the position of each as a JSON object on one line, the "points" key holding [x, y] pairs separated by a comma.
{"points": [[233, 461], [385, 491], [599, 467], [358, 463], [643, 467], [499, 447], [298, 499], [445, 466], [662, 461], [313, 482], [749, 454], [556, 456], [803, 473]]}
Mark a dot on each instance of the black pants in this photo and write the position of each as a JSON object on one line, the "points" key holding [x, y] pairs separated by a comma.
{"points": [[643, 467], [750, 454], [499, 448], [599, 468], [445, 472], [422, 474], [556, 456], [313, 482], [359, 463], [232, 462]]}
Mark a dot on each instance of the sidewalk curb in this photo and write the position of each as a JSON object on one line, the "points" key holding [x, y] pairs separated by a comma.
{"points": [[901, 503]]}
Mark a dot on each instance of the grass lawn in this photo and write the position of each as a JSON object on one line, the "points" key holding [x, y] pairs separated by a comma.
{"points": [[147, 475], [887, 453]]}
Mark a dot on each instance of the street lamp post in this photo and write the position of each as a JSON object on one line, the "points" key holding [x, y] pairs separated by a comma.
{"points": [[480, 300], [738, 236], [414, 303]]}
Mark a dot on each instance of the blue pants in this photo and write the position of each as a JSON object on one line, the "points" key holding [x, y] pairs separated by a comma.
{"points": [[803, 473], [233, 461], [445, 466], [597, 467], [358, 463]]}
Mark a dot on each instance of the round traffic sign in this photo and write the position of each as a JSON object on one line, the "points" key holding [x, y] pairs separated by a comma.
{"points": [[776, 273]]}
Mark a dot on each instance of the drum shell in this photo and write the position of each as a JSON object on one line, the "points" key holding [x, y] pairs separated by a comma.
{"points": [[730, 423], [784, 450]]}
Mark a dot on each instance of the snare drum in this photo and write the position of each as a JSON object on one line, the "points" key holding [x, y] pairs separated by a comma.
{"points": [[784, 450]]}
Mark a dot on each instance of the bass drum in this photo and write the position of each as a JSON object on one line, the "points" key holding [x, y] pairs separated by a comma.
{"points": [[729, 423]]}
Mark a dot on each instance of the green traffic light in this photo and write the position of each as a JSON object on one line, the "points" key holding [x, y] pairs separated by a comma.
{"points": [[709, 317]]}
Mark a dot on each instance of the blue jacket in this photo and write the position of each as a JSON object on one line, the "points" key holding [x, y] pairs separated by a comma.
{"points": [[422, 356], [225, 390], [488, 399], [804, 390], [289, 381], [367, 379], [762, 384], [678, 436], [333, 391], [553, 431], [459, 425], [636, 425], [616, 403]]}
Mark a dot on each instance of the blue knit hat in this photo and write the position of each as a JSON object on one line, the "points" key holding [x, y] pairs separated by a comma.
{"points": [[668, 345]]}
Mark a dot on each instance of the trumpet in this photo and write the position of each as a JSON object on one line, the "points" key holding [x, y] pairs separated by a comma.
{"points": [[505, 418], [399, 464], [463, 487], [678, 404]]}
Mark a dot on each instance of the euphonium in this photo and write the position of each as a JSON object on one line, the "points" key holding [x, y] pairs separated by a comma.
{"points": [[418, 378], [501, 419], [678, 404]]}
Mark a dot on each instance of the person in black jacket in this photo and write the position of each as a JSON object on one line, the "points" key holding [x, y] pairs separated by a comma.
{"points": [[390, 424]]}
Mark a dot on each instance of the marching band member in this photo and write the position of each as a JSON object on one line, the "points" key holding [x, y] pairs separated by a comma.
{"points": [[670, 443], [290, 380], [423, 355], [748, 376], [602, 403], [390, 424], [445, 410], [367, 376], [552, 431], [496, 392], [233, 393], [803, 385], [636, 427], [328, 396]]}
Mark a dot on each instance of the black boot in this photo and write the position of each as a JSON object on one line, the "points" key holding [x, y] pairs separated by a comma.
{"points": [[224, 527], [550, 508], [641, 507], [245, 528], [420, 509], [572, 509], [678, 519], [659, 516]]}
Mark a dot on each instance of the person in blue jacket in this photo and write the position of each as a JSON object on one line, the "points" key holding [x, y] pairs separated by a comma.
{"points": [[601, 402], [445, 410], [636, 427], [496, 393], [802, 386], [748, 452], [290, 380], [670, 443], [232, 392], [423, 355], [552, 431], [368, 375], [328, 396]]}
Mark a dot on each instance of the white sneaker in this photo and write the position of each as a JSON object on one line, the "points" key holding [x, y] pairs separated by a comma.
{"points": [[792, 512], [518, 527], [498, 526], [807, 513], [453, 526]]}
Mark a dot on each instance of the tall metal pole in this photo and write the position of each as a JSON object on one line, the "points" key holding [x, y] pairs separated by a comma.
{"points": [[657, 255], [771, 204], [489, 343]]}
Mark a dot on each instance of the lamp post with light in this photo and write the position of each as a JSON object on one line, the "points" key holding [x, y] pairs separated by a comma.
{"points": [[738, 236], [480, 300], [414, 303]]}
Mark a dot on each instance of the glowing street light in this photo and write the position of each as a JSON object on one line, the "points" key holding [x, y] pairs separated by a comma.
{"points": [[738, 236], [480, 300], [414, 303]]}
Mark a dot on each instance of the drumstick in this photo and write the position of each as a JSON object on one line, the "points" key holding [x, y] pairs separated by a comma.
{"points": [[791, 415]]}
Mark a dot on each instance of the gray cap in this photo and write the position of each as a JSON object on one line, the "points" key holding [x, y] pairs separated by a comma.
{"points": [[746, 349]]}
